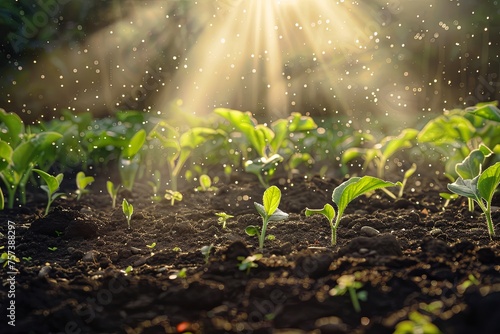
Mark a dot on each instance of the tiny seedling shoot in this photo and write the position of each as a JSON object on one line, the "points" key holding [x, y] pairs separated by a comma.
{"points": [[348, 283], [269, 212], [344, 194], [52, 185], [82, 182], [480, 189], [172, 196], [205, 251], [247, 263], [112, 191], [223, 217], [128, 210]]}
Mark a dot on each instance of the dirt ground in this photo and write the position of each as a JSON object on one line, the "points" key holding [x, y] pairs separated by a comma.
{"points": [[407, 254]]}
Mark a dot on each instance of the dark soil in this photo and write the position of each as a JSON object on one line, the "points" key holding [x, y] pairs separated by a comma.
{"points": [[423, 254]]}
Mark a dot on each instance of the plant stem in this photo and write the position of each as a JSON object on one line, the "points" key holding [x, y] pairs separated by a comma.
{"points": [[487, 212], [354, 299], [263, 233]]}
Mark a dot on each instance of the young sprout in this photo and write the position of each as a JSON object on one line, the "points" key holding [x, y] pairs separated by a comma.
{"points": [[177, 249], [155, 184], [52, 185], [112, 191], [344, 194], [52, 249], [448, 197], [6, 258], [223, 217], [205, 184], [329, 212], [247, 263], [471, 280], [173, 196], [128, 270], [476, 185], [128, 210], [82, 182], [151, 246], [130, 159], [348, 283], [269, 212], [420, 323], [205, 251]]}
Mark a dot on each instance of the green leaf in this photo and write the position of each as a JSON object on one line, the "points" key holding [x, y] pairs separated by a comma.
{"points": [[53, 182], [300, 123], [488, 111], [128, 209], [447, 130], [134, 145], [83, 181], [271, 200], [252, 230], [14, 126], [470, 167], [354, 187], [488, 182], [391, 144], [467, 188], [5, 154], [328, 211], [205, 181]]}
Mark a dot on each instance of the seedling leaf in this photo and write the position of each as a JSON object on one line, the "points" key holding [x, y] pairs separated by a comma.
{"points": [[328, 211], [488, 182], [354, 187], [488, 111], [271, 200], [471, 166], [466, 188]]}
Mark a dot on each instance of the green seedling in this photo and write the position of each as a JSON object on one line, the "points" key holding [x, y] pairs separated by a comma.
{"points": [[348, 283], [247, 263], [128, 270], [269, 212], [271, 237], [173, 196], [130, 159], [265, 141], [329, 212], [27, 258], [5, 258], [58, 233], [155, 184], [476, 185], [406, 176], [420, 323], [177, 249], [205, 251], [344, 194], [223, 217], [179, 274], [52, 185], [487, 110], [448, 198], [179, 147], [128, 210], [380, 153], [113, 192], [471, 280], [205, 184], [20, 152], [151, 246], [82, 182], [52, 249]]}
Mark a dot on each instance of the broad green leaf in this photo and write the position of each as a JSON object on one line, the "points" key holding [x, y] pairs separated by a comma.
{"points": [[5, 154], [467, 188], [352, 153], [53, 182], [356, 186], [470, 167], [263, 164], [488, 111], [252, 230], [391, 144], [23, 156], [134, 145], [128, 209], [447, 130], [300, 123], [14, 126], [271, 200], [328, 211], [278, 215], [205, 181], [488, 182], [235, 117], [280, 128], [83, 181]]}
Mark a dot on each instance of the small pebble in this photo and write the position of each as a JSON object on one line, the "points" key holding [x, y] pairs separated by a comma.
{"points": [[369, 231], [44, 272], [135, 250], [435, 232]]}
